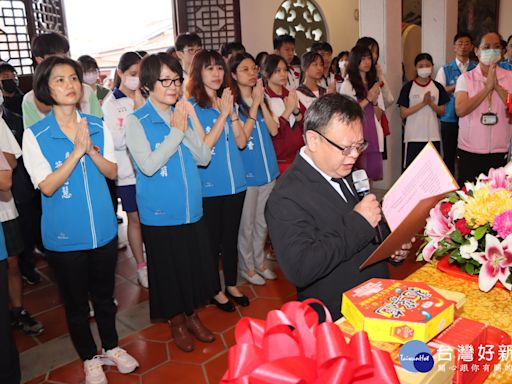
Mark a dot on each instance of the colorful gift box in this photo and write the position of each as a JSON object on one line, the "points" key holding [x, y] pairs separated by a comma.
{"points": [[397, 311]]}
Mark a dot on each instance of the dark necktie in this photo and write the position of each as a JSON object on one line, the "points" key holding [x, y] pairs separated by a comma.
{"points": [[346, 192]]}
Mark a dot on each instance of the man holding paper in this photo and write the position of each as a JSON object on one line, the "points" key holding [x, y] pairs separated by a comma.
{"points": [[319, 229]]}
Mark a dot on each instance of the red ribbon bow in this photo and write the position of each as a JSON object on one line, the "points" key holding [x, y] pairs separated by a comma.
{"points": [[290, 347]]}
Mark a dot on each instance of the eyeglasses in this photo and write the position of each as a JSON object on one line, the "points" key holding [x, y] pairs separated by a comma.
{"points": [[192, 51], [166, 83], [254, 68], [347, 151]]}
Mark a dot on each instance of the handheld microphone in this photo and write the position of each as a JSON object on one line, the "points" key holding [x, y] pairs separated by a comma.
{"points": [[362, 186]]}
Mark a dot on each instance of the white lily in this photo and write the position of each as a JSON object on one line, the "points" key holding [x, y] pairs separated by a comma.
{"points": [[457, 211], [467, 250]]}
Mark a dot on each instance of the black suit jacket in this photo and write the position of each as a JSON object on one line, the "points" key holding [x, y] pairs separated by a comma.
{"points": [[320, 241]]}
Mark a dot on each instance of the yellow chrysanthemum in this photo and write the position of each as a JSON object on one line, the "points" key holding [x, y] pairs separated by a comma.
{"points": [[483, 207]]}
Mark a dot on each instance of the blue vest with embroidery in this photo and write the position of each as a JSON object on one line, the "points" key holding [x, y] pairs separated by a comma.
{"points": [[171, 196], [225, 174], [79, 215], [259, 157], [3, 250], [452, 73], [505, 64]]}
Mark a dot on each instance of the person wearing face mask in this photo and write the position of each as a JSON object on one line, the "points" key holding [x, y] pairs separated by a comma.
{"points": [[480, 103], [91, 75], [12, 94], [126, 98], [506, 63], [339, 67], [421, 101], [447, 76]]}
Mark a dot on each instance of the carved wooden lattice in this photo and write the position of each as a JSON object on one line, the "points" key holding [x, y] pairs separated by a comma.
{"points": [[48, 16], [20, 21], [14, 36], [301, 19], [215, 21]]}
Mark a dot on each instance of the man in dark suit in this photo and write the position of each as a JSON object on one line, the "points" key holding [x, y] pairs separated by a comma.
{"points": [[319, 229]]}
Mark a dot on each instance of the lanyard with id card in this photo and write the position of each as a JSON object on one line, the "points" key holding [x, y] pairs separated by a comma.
{"points": [[489, 117]]}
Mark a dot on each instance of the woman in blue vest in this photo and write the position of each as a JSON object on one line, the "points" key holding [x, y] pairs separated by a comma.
{"points": [[223, 179], [68, 155], [260, 166], [166, 153]]}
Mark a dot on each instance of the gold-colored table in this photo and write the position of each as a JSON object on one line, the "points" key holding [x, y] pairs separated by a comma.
{"points": [[493, 308]]}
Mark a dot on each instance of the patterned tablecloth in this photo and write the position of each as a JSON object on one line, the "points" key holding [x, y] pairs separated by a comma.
{"points": [[494, 308]]}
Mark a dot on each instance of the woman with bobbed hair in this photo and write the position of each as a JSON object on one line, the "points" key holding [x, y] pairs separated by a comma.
{"points": [[166, 152], [68, 155]]}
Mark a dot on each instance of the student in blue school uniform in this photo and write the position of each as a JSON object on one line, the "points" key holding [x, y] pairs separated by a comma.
{"points": [[260, 166], [166, 153], [223, 180], [68, 155]]}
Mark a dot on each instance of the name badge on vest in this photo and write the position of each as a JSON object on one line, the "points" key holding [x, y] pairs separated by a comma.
{"points": [[489, 118]]}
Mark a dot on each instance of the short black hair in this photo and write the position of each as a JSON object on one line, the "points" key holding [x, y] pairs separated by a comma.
{"points": [[328, 107], [321, 46], [260, 58], [151, 66], [6, 67], [42, 77], [231, 47], [49, 44], [461, 35], [309, 58], [187, 39], [170, 50], [423, 56], [88, 63], [283, 39]]}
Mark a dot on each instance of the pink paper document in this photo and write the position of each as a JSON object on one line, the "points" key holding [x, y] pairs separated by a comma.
{"points": [[427, 176]]}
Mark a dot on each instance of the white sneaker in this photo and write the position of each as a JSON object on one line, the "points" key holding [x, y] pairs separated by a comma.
{"points": [[120, 358], [267, 274], [142, 277], [255, 280], [94, 371]]}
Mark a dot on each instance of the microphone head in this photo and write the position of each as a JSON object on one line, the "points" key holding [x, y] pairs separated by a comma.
{"points": [[361, 182]]}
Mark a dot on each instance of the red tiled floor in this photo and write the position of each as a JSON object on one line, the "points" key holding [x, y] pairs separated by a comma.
{"points": [[127, 268], [72, 373], [175, 373], [24, 342], [260, 307], [128, 294], [229, 337], [215, 369], [217, 320], [42, 299], [149, 354], [157, 332], [202, 353], [115, 377], [37, 380], [54, 322]]}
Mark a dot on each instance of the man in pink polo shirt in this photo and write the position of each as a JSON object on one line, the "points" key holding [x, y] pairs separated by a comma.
{"points": [[480, 103]]}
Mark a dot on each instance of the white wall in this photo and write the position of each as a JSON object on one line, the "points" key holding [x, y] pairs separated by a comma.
{"points": [[505, 19], [257, 19]]}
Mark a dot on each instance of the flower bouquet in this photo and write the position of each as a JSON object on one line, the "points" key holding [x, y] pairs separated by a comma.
{"points": [[473, 227]]}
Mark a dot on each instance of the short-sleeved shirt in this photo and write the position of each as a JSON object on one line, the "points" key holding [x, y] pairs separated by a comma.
{"points": [[8, 144], [423, 125]]}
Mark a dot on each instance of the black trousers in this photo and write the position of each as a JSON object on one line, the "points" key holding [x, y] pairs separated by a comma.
{"points": [[222, 214], [9, 358], [84, 274], [449, 138], [30, 221], [473, 164]]}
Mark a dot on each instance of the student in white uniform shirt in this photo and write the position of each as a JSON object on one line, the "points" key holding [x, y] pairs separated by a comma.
{"points": [[313, 69], [125, 98], [421, 103]]}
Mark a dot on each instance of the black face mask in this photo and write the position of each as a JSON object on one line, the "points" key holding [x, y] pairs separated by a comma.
{"points": [[9, 85]]}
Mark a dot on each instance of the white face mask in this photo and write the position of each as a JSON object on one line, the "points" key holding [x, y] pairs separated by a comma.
{"points": [[90, 77], [424, 72], [342, 64], [490, 56], [132, 83]]}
